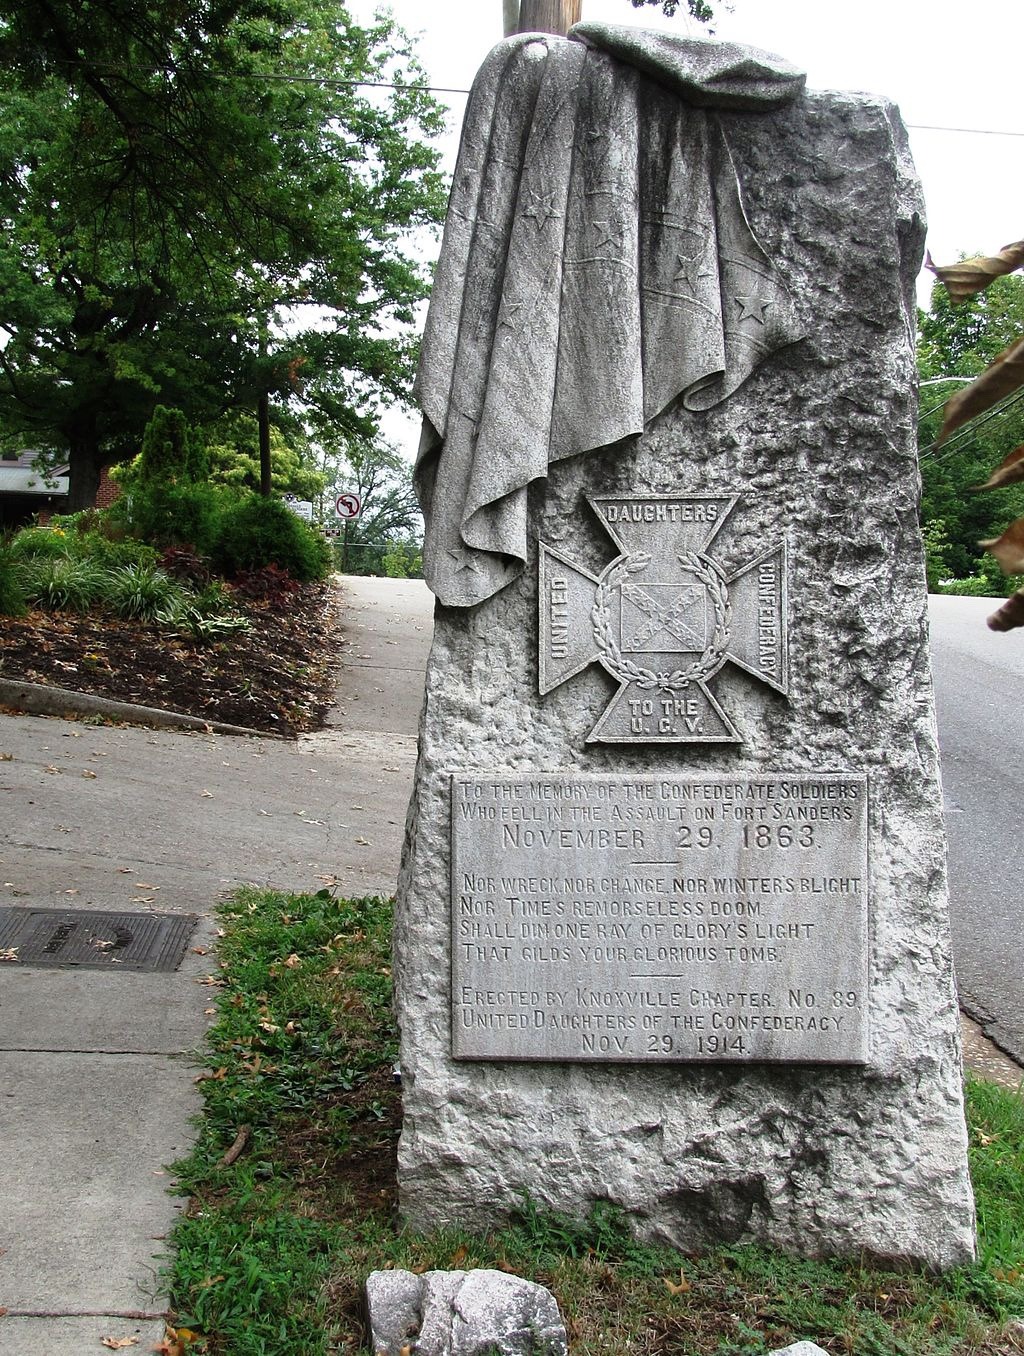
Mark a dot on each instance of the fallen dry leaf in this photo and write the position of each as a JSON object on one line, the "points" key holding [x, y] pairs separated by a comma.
{"points": [[215, 1076], [971, 276], [681, 1288], [1008, 472], [1009, 548], [209, 794], [364, 842], [87, 773], [175, 1342], [6, 757], [119, 1343], [8, 953], [292, 961], [1001, 378]]}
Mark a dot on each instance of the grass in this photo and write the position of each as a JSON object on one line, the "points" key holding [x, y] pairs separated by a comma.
{"points": [[272, 1252], [57, 571]]}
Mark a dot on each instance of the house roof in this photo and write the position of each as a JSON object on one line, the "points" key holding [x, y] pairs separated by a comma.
{"points": [[19, 476]]}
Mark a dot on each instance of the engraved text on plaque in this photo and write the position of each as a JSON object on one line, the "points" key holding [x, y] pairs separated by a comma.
{"points": [[660, 918]]}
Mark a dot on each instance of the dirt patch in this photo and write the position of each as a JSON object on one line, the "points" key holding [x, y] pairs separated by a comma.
{"points": [[275, 677]]}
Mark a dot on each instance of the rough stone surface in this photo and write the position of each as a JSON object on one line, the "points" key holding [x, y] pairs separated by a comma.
{"points": [[819, 443], [800, 1349], [462, 1313]]}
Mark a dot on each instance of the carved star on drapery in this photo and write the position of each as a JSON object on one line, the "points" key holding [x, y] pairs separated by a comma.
{"points": [[752, 308]]}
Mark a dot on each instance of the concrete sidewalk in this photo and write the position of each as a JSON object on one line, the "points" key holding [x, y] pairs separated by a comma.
{"points": [[96, 1085]]}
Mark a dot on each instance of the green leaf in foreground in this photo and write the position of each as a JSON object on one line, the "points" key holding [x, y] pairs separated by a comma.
{"points": [[273, 1250]]}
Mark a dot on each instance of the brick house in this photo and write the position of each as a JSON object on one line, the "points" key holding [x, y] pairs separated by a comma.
{"points": [[26, 492]]}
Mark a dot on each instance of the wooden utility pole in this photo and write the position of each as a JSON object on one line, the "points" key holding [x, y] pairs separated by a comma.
{"points": [[543, 16]]}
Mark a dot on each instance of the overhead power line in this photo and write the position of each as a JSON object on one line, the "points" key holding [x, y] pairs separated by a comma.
{"points": [[968, 131], [965, 436], [338, 83]]}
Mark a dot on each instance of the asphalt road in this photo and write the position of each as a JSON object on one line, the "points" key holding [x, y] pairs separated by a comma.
{"points": [[979, 676]]}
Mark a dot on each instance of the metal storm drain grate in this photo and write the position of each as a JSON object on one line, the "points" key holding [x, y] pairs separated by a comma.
{"points": [[101, 941]]}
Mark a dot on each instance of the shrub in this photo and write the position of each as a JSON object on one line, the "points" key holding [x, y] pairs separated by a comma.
{"points": [[185, 565], [40, 542], [84, 520], [402, 561], [61, 583], [269, 584], [12, 596], [974, 586], [170, 453], [112, 554], [177, 515], [261, 531]]}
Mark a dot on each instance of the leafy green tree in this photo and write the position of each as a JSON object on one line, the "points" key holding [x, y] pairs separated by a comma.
{"points": [[960, 341], [233, 449], [557, 16], [697, 8], [176, 183]]}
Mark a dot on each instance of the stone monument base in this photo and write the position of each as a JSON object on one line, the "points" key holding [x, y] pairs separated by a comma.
{"points": [[586, 1015]]}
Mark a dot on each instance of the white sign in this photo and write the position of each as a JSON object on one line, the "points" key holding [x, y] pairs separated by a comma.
{"points": [[348, 505], [303, 507]]}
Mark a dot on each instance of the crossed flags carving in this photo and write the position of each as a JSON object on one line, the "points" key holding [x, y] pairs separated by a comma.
{"points": [[663, 619]]}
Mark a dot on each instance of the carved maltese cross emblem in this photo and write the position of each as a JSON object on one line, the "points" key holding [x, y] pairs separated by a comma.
{"points": [[663, 619]]}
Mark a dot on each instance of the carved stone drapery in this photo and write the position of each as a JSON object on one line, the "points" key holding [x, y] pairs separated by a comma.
{"points": [[597, 265]]}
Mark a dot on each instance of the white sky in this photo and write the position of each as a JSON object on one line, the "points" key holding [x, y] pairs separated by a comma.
{"points": [[945, 64]]}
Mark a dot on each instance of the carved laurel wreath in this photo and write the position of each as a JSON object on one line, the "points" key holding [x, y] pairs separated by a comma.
{"points": [[624, 669]]}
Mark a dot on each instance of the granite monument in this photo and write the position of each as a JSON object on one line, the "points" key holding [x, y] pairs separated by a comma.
{"points": [[672, 923]]}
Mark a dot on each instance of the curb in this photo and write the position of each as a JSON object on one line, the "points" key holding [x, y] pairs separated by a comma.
{"points": [[35, 699]]}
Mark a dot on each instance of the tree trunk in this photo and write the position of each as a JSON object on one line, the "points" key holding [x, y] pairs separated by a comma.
{"points": [[263, 419], [263, 413], [84, 467], [548, 16], [511, 17]]}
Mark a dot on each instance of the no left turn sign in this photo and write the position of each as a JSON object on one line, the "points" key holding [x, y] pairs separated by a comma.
{"points": [[348, 505]]}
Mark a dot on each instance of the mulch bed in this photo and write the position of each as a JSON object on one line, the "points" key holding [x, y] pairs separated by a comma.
{"points": [[275, 678]]}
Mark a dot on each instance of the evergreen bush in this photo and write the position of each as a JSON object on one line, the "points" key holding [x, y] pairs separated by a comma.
{"points": [[177, 515], [170, 453], [261, 531]]}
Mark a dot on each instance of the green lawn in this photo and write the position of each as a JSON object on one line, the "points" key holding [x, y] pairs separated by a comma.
{"points": [[271, 1255]]}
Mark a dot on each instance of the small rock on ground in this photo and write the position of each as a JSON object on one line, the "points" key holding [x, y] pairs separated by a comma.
{"points": [[463, 1313], [800, 1349]]}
